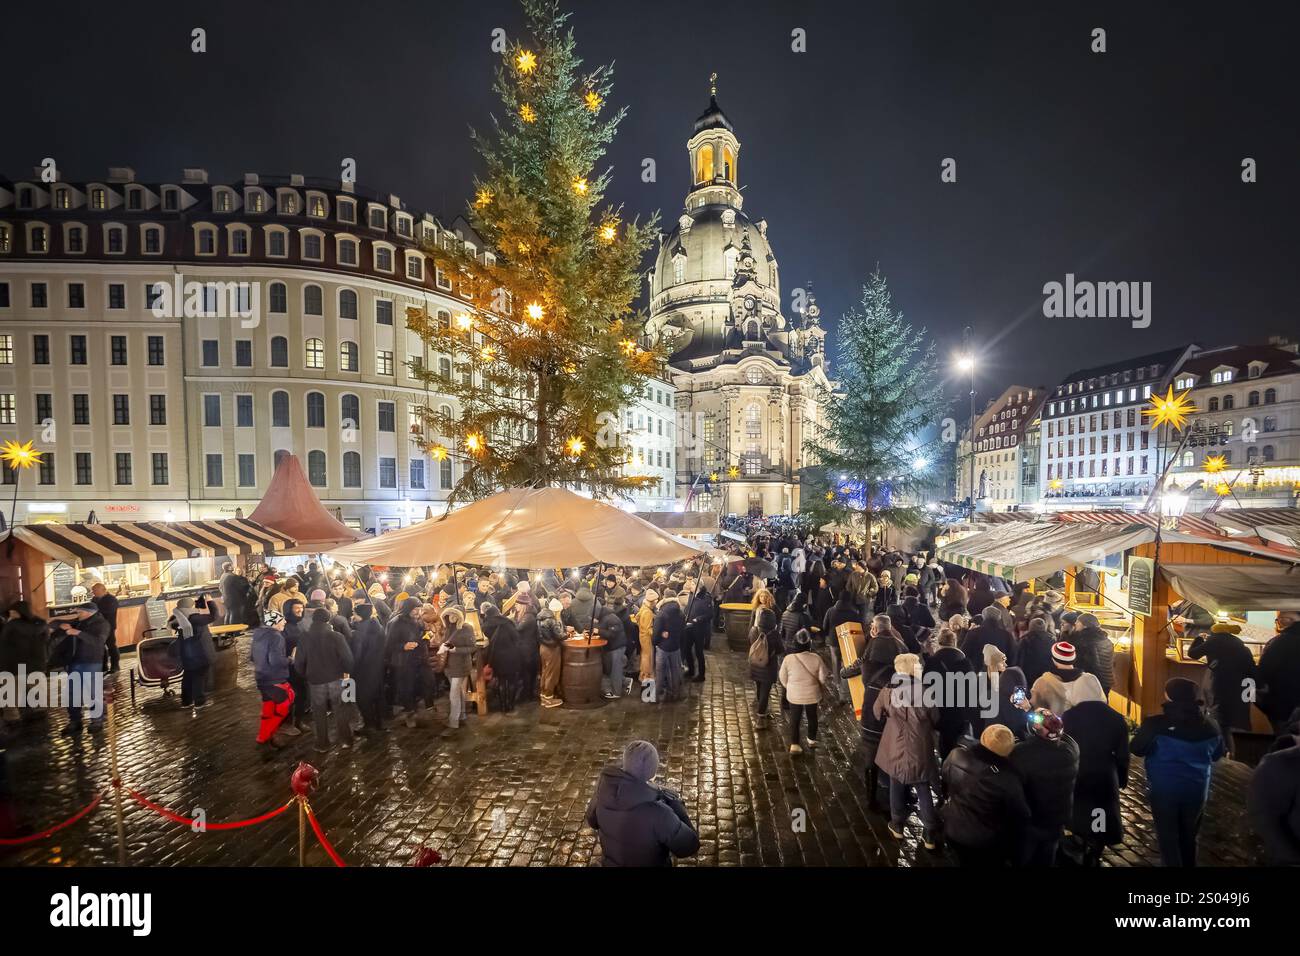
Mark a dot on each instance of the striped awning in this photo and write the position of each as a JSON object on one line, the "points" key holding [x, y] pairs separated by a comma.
{"points": [[131, 542], [1273, 524], [1023, 551]]}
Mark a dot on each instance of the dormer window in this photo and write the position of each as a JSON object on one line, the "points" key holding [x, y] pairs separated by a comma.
{"points": [[223, 201], [98, 198], [1184, 382], [347, 209], [404, 225], [171, 199], [115, 240], [62, 199], [1257, 369], [312, 247], [135, 199], [316, 206], [287, 200], [255, 201], [378, 217], [384, 258], [26, 197], [1222, 376], [415, 268]]}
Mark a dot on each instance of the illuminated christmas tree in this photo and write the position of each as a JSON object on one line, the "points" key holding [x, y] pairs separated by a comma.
{"points": [[547, 349]]}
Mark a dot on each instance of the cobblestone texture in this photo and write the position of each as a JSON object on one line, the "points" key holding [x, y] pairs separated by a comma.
{"points": [[502, 791]]}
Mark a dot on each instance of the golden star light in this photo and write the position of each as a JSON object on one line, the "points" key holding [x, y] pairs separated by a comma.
{"points": [[1215, 464], [593, 101], [580, 185], [483, 198], [535, 311], [733, 472], [438, 452], [714, 476], [474, 442], [527, 114], [1223, 489], [526, 61], [19, 456], [576, 446], [609, 232], [1169, 408]]}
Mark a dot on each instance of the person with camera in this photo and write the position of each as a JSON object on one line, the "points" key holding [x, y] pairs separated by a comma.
{"points": [[639, 823], [1048, 764], [81, 650]]}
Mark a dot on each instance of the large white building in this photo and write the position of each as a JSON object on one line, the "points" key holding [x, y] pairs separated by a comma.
{"points": [[748, 376], [1002, 471]]}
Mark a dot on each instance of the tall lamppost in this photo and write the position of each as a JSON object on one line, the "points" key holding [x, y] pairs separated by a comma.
{"points": [[966, 363]]}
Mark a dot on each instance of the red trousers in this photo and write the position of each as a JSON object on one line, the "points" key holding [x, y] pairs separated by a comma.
{"points": [[277, 703]]}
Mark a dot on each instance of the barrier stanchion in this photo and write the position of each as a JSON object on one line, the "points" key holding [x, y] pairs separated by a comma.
{"points": [[117, 777], [320, 834]]}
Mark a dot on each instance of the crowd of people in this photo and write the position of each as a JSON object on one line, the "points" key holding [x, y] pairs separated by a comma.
{"points": [[1033, 777]]}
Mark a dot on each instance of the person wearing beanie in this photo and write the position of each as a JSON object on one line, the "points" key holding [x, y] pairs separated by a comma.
{"points": [[1068, 619], [550, 638], [368, 665], [986, 816], [645, 621], [1102, 736], [1094, 653], [1036, 649], [81, 639], [271, 675], [1180, 747], [989, 630], [324, 659], [191, 621], [906, 751], [1064, 657], [1004, 682], [802, 674], [638, 823], [668, 628], [317, 597], [1047, 762]]}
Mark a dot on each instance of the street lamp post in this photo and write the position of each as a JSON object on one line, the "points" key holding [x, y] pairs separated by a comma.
{"points": [[967, 364]]}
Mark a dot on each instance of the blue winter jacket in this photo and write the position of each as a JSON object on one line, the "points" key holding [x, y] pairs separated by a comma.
{"points": [[1180, 747], [270, 663]]}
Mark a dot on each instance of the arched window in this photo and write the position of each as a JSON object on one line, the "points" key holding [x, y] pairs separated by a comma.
{"points": [[1270, 423], [315, 353], [349, 357], [728, 164], [313, 300], [279, 297], [1226, 428], [1270, 396], [704, 164], [1214, 404], [1252, 399], [347, 304], [316, 468], [280, 410], [753, 422], [444, 369], [315, 410], [351, 469], [1228, 403], [445, 412], [279, 455], [1269, 453], [349, 411], [444, 320], [279, 352]]}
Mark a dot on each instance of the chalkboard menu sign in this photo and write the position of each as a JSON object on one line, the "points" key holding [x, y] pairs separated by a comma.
{"points": [[1141, 582], [157, 612]]}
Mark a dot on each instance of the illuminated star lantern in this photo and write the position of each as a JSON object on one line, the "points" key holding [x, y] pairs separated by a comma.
{"points": [[474, 442], [19, 456], [592, 99], [580, 185], [733, 472], [526, 61], [535, 312], [1169, 408], [438, 452], [628, 345], [830, 496], [576, 446], [713, 476], [1223, 489], [523, 248], [483, 198], [464, 321], [609, 232], [1057, 483], [527, 113], [1215, 464]]}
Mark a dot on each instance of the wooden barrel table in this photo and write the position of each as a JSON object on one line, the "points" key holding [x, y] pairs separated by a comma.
{"points": [[735, 622], [581, 674], [225, 669]]}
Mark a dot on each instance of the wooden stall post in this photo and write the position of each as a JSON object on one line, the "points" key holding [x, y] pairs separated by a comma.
{"points": [[1150, 638]]}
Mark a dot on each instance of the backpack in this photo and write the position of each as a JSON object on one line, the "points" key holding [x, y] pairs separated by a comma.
{"points": [[759, 654]]}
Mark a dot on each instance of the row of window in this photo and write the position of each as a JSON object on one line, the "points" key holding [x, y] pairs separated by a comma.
{"points": [[1114, 378], [84, 469], [1253, 398], [1104, 400]]}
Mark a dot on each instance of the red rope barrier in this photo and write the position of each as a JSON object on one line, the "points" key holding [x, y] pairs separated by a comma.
{"points": [[177, 818], [50, 831], [320, 835]]}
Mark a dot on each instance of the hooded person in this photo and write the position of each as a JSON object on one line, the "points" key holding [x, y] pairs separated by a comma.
{"points": [[582, 608], [324, 659], [906, 751], [459, 646], [1180, 746], [378, 600], [1036, 650], [1005, 682], [986, 815], [550, 642], [271, 669], [1094, 653], [369, 664], [505, 654], [609, 626], [645, 628], [989, 631], [191, 620], [637, 823], [1102, 736], [955, 713], [408, 655], [1048, 764], [1232, 666]]}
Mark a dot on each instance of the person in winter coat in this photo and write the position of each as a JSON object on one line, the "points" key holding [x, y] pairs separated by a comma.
{"points": [[906, 751], [459, 647], [610, 628], [952, 600], [1095, 654], [1180, 747], [525, 621], [1036, 650], [369, 663], [1102, 737], [845, 610], [645, 630], [915, 613], [765, 650], [190, 622], [876, 668], [638, 823], [584, 601], [408, 655], [988, 631], [236, 596], [981, 597], [271, 675], [81, 649], [23, 643], [324, 659], [1231, 668], [1005, 681], [886, 594], [794, 619], [1275, 799], [954, 716], [986, 817], [288, 592], [699, 625], [802, 674], [669, 626], [1048, 764], [505, 654], [1279, 670], [550, 640]]}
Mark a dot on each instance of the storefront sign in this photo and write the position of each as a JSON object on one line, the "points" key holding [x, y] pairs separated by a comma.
{"points": [[1141, 583]]}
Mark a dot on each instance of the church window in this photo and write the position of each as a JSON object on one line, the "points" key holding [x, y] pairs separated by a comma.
{"points": [[753, 422], [728, 164], [731, 263], [704, 164], [679, 269]]}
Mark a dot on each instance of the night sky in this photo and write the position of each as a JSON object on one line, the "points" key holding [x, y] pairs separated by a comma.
{"points": [[1119, 166]]}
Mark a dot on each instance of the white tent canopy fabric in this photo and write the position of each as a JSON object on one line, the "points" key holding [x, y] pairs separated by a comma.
{"points": [[526, 528], [1021, 552], [1237, 587]]}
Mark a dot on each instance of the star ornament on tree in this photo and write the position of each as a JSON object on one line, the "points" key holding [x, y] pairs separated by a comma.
{"points": [[18, 456], [1169, 408]]}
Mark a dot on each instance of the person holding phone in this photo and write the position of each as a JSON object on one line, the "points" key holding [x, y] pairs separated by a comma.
{"points": [[639, 823]]}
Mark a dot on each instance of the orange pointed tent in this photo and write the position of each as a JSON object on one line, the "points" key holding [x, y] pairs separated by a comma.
{"points": [[290, 502]]}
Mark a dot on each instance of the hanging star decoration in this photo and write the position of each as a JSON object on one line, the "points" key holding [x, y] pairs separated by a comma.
{"points": [[527, 113], [526, 61], [1223, 489], [19, 456], [714, 476], [733, 472], [576, 446], [1215, 464], [592, 99], [1169, 408]]}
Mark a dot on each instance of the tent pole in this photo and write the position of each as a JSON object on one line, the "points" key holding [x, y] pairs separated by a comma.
{"points": [[595, 598]]}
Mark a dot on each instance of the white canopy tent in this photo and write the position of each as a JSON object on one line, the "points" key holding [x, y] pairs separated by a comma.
{"points": [[1237, 587], [1023, 551], [526, 528]]}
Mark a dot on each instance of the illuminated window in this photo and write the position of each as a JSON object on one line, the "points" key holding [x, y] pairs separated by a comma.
{"points": [[728, 164], [704, 164]]}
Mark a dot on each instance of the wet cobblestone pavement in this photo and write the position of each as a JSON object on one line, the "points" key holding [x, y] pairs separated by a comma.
{"points": [[501, 791]]}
